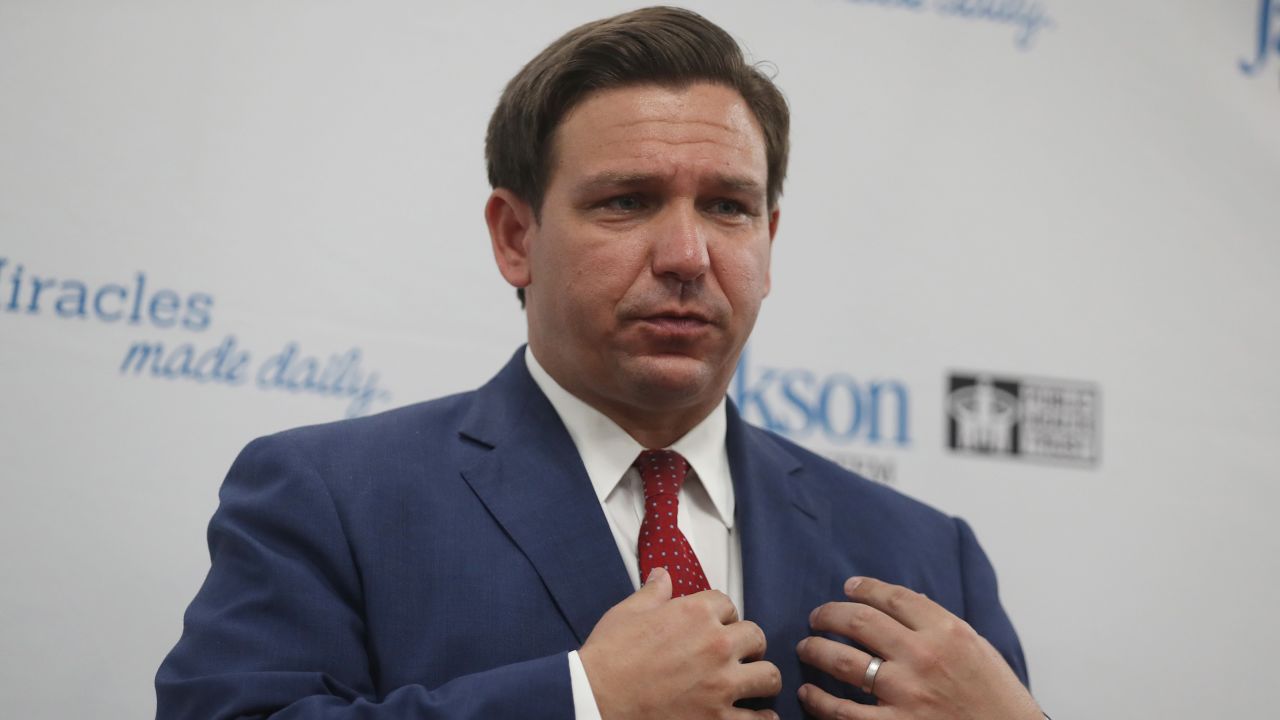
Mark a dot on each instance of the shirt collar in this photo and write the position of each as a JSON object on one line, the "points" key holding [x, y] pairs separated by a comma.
{"points": [[607, 451]]}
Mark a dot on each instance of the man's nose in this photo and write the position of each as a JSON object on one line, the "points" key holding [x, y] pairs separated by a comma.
{"points": [[680, 245]]}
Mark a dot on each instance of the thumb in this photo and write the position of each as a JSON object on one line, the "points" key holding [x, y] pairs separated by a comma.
{"points": [[656, 590]]}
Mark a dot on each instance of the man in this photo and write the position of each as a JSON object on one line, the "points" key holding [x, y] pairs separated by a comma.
{"points": [[479, 556]]}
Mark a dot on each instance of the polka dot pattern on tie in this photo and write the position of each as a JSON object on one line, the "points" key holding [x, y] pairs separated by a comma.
{"points": [[661, 542]]}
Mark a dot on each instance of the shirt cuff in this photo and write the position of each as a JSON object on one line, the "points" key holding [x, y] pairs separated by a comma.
{"points": [[584, 701]]}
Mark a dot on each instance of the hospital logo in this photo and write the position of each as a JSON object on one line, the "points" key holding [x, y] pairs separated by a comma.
{"points": [[1023, 418]]}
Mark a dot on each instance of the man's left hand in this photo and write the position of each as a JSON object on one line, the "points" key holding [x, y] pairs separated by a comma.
{"points": [[935, 666]]}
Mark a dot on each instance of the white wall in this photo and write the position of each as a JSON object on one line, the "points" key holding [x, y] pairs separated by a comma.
{"points": [[1089, 194]]}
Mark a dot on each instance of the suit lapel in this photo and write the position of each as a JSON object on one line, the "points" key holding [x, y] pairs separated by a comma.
{"points": [[533, 482], [785, 538], [784, 531]]}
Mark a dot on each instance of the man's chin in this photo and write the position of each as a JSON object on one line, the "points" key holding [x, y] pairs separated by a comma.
{"points": [[674, 380]]}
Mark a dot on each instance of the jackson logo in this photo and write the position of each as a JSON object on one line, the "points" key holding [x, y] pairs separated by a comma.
{"points": [[1028, 418], [839, 416], [801, 403]]}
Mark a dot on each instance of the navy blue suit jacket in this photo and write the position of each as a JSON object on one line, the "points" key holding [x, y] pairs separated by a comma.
{"points": [[440, 561]]}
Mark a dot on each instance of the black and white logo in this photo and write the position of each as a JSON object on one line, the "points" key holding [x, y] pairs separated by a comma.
{"points": [[1027, 418]]}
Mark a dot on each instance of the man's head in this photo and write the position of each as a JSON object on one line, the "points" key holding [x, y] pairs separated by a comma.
{"points": [[637, 164], [657, 45]]}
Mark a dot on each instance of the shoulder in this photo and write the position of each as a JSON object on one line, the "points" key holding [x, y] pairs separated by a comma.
{"points": [[401, 434], [406, 422]]}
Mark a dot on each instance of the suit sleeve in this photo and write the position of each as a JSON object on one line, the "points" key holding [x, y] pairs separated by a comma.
{"points": [[982, 602], [278, 630]]}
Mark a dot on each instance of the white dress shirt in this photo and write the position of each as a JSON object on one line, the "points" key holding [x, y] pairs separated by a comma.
{"points": [[705, 515]]}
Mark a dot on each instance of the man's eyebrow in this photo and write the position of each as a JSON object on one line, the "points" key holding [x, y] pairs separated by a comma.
{"points": [[609, 179], [739, 183]]}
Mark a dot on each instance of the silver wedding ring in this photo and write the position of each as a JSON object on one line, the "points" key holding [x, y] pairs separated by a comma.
{"points": [[869, 680]]}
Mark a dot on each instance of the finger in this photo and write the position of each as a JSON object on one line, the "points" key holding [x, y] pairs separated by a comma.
{"points": [[760, 679], [655, 591], [825, 706], [749, 642], [719, 604], [835, 659], [864, 624], [744, 714], [908, 607]]}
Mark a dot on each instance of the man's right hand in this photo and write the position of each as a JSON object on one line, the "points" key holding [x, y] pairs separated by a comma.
{"points": [[654, 657]]}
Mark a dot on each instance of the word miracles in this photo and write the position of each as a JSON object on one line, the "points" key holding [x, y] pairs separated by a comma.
{"points": [[131, 302]]}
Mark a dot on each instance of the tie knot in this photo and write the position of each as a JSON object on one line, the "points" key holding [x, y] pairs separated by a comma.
{"points": [[663, 472]]}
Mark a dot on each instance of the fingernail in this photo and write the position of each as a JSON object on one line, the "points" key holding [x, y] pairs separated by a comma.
{"points": [[813, 615], [800, 645], [804, 692], [655, 573], [852, 584]]}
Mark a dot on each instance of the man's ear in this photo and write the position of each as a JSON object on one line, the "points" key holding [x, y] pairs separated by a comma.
{"points": [[511, 225]]}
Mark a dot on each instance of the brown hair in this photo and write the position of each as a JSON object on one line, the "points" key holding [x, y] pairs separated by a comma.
{"points": [[662, 45]]}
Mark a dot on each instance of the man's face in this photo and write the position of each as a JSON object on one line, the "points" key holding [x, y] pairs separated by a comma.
{"points": [[651, 256]]}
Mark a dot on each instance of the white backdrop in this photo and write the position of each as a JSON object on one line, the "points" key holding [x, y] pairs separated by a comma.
{"points": [[1065, 190]]}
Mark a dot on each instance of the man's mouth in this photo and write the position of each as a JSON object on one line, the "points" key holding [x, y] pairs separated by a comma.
{"points": [[677, 321], [677, 324]]}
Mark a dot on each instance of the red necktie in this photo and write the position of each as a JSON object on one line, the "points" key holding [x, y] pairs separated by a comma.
{"points": [[661, 542]]}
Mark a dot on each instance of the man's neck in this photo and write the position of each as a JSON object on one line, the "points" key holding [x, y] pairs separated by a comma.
{"points": [[651, 428], [657, 434]]}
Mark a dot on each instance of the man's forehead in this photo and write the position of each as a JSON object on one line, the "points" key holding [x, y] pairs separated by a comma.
{"points": [[650, 130], [697, 108]]}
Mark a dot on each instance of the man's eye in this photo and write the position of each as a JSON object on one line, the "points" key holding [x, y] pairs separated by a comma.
{"points": [[728, 207], [625, 203]]}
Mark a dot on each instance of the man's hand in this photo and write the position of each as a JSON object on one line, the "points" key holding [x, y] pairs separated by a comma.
{"points": [[935, 666], [654, 657]]}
